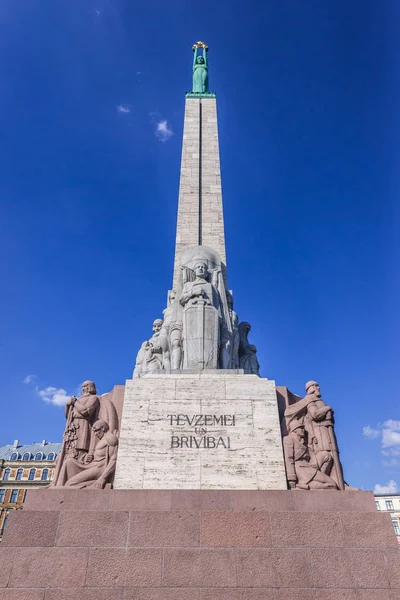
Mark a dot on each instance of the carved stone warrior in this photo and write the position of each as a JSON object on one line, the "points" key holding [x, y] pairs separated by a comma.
{"points": [[79, 413], [201, 304], [302, 470], [97, 467], [247, 352], [317, 418], [153, 354]]}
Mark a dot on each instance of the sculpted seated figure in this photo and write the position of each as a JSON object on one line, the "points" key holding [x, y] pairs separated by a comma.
{"points": [[154, 353], [302, 470], [96, 468]]}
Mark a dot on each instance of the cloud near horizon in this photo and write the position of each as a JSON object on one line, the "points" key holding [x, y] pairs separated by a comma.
{"points": [[390, 488], [389, 434]]}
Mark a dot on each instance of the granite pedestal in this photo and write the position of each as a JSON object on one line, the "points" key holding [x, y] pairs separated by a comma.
{"points": [[199, 545]]}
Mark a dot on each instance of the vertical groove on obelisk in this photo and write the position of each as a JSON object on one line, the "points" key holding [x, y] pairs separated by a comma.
{"points": [[200, 172]]}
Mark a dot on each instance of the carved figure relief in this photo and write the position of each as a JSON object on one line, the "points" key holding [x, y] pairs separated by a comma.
{"points": [[200, 328], [90, 441], [247, 352], [317, 425], [302, 469]]}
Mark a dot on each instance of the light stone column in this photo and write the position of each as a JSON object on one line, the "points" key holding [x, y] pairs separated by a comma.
{"points": [[200, 216]]}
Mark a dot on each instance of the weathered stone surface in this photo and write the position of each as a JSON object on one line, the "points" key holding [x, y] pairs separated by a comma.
{"points": [[200, 215], [200, 432], [31, 529]]}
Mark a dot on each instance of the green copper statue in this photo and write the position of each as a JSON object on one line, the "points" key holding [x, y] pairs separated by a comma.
{"points": [[200, 69]]}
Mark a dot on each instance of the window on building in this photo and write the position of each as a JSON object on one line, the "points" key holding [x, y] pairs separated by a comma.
{"points": [[378, 506], [51, 456], [45, 474], [39, 456], [14, 456], [19, 474], [2, 495], [396, 527], [32, 474], [389, 505], [6, 475], [14, 496], [26, 456]]}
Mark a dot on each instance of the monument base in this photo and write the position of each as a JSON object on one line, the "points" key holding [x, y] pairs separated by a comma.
{"points": [[212, 429], [199, 545]]}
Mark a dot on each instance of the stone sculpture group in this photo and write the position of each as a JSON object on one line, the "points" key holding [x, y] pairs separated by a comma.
{"points": [[200, 329], [89, 449], [310, 447]]}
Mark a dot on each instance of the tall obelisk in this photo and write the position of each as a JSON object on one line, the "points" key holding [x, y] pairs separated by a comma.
{"points": [[200, 215], [196, 414]]}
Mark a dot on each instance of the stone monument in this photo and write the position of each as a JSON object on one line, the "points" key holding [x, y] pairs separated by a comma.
{"points": [[199, 479]]}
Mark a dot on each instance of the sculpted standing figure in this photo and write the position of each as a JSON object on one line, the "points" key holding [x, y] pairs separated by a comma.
{"points": [[79, 413], [247, 352], [302, 469], [199, 290], [200, 69], [320, 435], [98, 465], [173, 329]]}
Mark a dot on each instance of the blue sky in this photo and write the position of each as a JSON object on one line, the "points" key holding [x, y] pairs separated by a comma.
{"points": [[91, 117]]}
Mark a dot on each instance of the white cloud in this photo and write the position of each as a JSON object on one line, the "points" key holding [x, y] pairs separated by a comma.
{"points": [[52, 395], [389, 488], [163, 131], [29, 379], [123, 108], [390, 438], [370, 432], [392, 424]]}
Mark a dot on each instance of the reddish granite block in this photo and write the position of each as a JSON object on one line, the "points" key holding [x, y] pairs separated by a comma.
{"points": [[120, 567], [106, 567], [244, 528], [336, 594], [143, 567], [200, 499], [49, 567], [261, 500], [333, 500], [133, 500], [376, 595], [239, 594], [159, 528], [368, 568], [22, 594], [368, 531], [290, 594], [89, 528], [67, 499], [330, 568], [161, 594], [319, 529], [195, 568], [6, 562], [86, 594], [274, 568], [31, 528], [392, 559]]}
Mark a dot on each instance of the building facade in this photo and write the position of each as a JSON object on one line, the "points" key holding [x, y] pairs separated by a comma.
{"points": [[24, 467], [390, 503]]}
